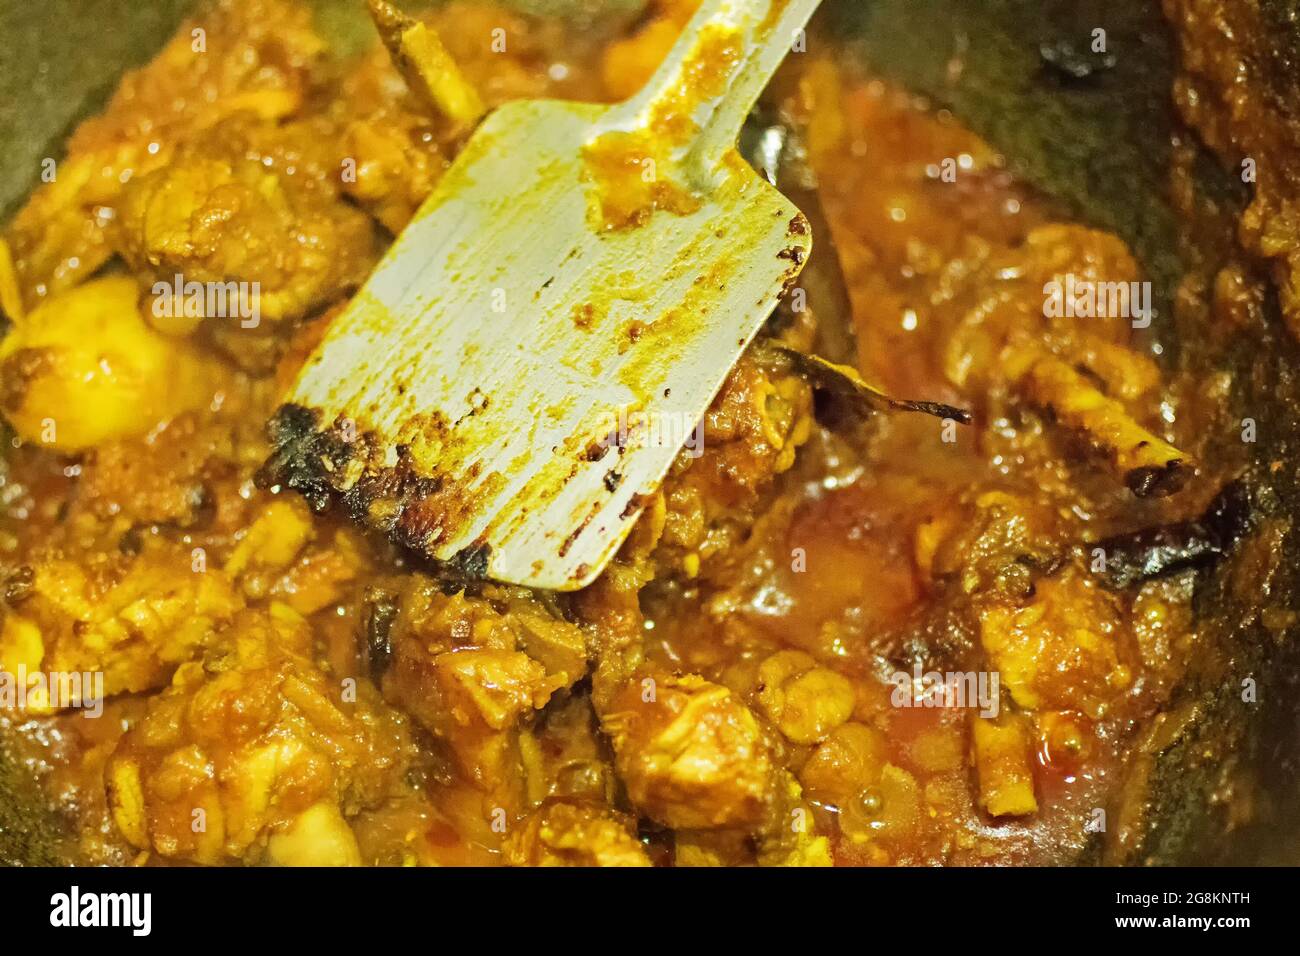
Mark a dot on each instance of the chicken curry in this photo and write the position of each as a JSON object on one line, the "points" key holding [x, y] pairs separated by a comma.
{"points": [[830, 639]]}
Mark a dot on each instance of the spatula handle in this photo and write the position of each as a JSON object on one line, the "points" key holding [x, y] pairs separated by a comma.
{"points": [[719, 66]]}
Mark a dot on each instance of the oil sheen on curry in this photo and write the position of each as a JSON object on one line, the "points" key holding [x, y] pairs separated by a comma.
{"points": [[829, 639]]}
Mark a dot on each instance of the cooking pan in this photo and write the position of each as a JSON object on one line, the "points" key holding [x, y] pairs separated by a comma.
{"points": [[1215, 777]]}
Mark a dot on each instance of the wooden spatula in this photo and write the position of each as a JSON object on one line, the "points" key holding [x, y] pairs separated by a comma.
{"points": [[523, 366]]}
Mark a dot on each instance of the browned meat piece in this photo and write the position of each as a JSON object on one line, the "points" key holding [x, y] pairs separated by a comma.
{"points": [[1065, 648], [397, 148], [805, 702], [573, 833], [848, 761], [470, 669], [132, 618], [248, 202], [162, 478], [692, 755], [990, 544], [1021, 293], [256, 754], [253, 56], [750, 435]]}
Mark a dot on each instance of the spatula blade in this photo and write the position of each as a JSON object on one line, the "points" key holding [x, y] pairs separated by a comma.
{"points": [[517, 376]]}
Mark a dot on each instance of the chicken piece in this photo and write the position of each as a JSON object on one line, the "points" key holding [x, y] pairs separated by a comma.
{"points": [[321, 576], [165, 477], [850, 759], [273, 540], [464, 667], [500, 618], [750, 434], [993, 543], [574, 833], [473, 698], [804, 701], [489, 687], [694, 758], [256, 754], [396, 165], [243, 56], [319, 836], [1003, 763], [850, 771], [692, 755], [249, 203], [133, 619], [792, 841], [1097, 267], [84, 368], [1061, 650], [278, 556], [1009, 296]]}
